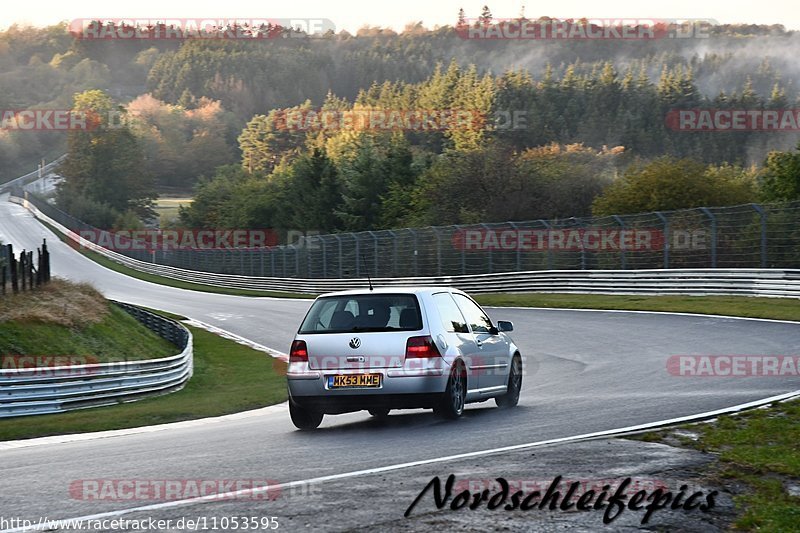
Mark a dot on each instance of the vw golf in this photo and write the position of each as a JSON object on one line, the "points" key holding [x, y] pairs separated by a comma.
{"points": [[399, 348]]}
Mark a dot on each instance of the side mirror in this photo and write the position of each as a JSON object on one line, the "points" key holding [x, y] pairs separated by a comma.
{"points": [[505, 325]]}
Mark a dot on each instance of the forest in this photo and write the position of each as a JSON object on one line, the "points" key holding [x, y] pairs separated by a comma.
{"points": [[559, 128]]}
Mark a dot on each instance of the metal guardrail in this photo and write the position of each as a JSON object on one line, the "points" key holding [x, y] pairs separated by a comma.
{"points": [[32, 176], [699, 282], [36, 391]]}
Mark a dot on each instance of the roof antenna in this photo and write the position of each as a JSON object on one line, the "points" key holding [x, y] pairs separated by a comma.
{"points": [[366, 269]]}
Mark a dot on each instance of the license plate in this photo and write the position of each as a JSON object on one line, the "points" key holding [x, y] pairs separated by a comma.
{"points": [[351, 381]]}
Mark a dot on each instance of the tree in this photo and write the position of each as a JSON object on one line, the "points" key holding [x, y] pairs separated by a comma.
{"points": [[486, 16], [668, 183], [105, 163], [781, 176]]}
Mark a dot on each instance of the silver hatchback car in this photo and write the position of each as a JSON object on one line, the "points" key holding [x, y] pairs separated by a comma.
{"points": [[399, 348]]}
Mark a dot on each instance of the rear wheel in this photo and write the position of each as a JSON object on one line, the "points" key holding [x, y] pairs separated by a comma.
{"points": [[451, 405], [379, 412], [304, 419], [511, 397]]}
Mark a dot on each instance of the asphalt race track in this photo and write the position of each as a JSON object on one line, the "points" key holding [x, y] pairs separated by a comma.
{"points": [[584, 372]]}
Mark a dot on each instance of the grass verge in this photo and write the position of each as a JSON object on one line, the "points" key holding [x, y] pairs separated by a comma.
{"points": [[753, 307], [69, 319], [228, 378], [759, 462]]}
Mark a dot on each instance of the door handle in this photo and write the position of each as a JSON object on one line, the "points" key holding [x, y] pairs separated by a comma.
{"points": [[479, 343]]}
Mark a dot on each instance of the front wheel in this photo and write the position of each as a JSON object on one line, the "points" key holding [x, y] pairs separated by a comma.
{"points": [[451, 405], [511, 397], [304, 419]]}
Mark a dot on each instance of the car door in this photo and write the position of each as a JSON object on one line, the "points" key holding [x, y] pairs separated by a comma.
{"points": [[492, 366], [459, 335]]}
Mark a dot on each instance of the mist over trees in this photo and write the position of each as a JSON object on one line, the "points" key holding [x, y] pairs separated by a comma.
{"points": [[566, 127]]}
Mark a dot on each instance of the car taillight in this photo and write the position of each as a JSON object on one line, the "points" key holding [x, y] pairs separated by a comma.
{"points": [[299, 352], [421, 347]]}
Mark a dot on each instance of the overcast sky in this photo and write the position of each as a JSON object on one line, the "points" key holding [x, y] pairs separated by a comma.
{"points": [[351, 15]]}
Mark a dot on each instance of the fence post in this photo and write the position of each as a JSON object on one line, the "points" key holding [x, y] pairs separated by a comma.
{"points": [[622, 256], [29, 262], [519, 248], [549, 252], [414, 238], [339, 240], [375, 240], [438, 250], [490, 258], [763, 215], [22, 273], [12, 269], [394, 252], [665, 220], [358, 255], [713, 219], [579, 223], [324, 258]]}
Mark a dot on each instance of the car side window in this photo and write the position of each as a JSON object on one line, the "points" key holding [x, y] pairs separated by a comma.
{"points": [[476, 318], [452, 319]]}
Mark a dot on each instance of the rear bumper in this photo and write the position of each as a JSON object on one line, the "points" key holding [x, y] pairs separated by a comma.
{"points": [[347, 403], [400, 389]]}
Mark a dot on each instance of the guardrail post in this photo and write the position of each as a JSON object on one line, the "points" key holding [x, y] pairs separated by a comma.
{"points": [[763, 216], [713, 220], [665, 220], [622, 255]]}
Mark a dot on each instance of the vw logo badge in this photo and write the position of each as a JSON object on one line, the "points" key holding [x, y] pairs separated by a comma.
{"points": [[355, 342]]}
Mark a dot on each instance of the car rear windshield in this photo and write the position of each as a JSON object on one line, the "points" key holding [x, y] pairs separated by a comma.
{"points": [[363, 312]]}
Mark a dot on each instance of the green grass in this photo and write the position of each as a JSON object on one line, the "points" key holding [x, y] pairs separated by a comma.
{"points": [[775, 308], [760, 449], [167, 208], [118, 337], [228, 378]]}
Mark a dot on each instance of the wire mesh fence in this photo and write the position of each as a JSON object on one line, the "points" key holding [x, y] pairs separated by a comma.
{"points": [[745, 236]]}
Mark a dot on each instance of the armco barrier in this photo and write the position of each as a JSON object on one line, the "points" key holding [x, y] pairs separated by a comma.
{"points": [[738, 282], [36, 391], [32, 176]]}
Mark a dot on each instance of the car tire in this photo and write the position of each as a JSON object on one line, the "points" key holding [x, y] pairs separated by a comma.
{"points": [[511, 397], [379, 412], [304, 419], [451, 405]]}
